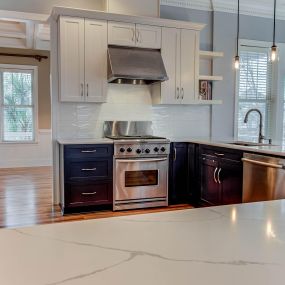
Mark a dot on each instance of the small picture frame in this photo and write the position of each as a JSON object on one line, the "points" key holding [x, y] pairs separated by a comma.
{"points": [[205, 90]]}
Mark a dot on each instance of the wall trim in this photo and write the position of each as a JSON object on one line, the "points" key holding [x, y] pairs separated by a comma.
{"points": [[254, 8]]}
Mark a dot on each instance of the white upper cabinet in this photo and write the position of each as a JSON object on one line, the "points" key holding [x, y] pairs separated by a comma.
{"points": [[71, 59], [95, 60], [121, 34], [180, 52], [189, 74], [148, 36], [83, 65], [134, 35]]}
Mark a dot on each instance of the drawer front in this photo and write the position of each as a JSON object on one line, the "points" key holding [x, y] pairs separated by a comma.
{"points": [[221, 152], [88, 151], [88, 194], [91, 169]]}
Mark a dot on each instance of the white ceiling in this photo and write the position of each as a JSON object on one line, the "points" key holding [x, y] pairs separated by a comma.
{"points": [[262, 8]]}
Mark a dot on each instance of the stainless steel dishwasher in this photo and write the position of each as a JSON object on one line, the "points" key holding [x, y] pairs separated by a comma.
{"points": [[263, 178]]}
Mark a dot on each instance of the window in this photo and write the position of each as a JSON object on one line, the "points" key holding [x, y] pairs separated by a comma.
{"points": [[254, 92], [18, 95]]}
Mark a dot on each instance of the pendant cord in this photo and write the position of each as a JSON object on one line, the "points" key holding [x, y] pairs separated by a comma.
{"points": [[274, 23], [238, 15]]}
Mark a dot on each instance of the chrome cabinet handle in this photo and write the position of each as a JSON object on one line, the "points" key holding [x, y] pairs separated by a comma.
{"points": [[87, 93], [82, 87], [175, 154], [182, 93], [88, 169], [89, 194], [215, 179], [177, 93], [88, 151], [137, 36], [219, 154], [134, 34], [219, 172]]}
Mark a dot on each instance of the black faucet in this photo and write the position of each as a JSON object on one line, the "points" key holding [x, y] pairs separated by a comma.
{"points": [[261, 137]]}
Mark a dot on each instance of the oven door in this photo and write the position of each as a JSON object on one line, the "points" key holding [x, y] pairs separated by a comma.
{"points": [[141, 179]]}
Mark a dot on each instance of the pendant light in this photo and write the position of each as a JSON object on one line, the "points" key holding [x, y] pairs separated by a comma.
{"points": [[274, 47], [237, 48]]}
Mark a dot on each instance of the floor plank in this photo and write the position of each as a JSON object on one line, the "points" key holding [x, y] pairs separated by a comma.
{"points": [[26, 199]]}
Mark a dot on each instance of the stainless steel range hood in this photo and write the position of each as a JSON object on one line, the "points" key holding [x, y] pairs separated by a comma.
{"points": [[135, 66]]}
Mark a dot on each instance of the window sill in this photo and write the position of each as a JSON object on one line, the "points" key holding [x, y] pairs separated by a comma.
{"points": [[19, 142]]}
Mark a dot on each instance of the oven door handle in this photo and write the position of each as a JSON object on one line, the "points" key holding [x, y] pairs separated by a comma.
{"points": [[142, 160]]}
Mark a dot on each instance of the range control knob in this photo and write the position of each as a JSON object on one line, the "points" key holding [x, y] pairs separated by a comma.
{"points": [[129, 150], [147, 151], [163, 149], [139, 151], [156, 149], [122, 149]]}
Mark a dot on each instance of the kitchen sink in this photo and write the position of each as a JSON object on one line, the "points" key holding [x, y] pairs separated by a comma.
{"points": [[242, 143]]}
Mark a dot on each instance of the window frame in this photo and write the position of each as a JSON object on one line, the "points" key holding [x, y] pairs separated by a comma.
{"points": [[274, 88], [19, 68]]}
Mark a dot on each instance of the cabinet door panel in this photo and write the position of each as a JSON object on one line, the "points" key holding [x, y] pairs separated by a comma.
{"points": [[95, 60], [188, 61], [179, 190], [71, 42], [169, 48], [148, 36], [230, 176], [210, 189], [122, 34]]}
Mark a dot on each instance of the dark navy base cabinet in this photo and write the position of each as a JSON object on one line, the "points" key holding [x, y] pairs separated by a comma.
{"points": [[221, 176], [88, 177], [181, 173]]}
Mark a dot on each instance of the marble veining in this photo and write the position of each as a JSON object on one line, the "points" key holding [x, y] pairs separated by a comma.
{"points": [[238, 244]]}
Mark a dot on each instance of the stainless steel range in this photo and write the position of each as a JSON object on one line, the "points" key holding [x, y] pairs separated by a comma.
{"points": [[140, 165]]}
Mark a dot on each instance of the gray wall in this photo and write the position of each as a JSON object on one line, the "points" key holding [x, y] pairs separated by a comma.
{"points": [[222, 29], [45, 6]]}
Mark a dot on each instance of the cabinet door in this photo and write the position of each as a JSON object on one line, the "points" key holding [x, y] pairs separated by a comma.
{"points": [[148, 36], [170, 48], [189, 60], [121, 34], [95, 60], [179, 190], [71, 45], [230, 176], [210, 188]]}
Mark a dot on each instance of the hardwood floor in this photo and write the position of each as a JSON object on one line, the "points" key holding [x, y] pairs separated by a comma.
{"points": [[26, 199]]}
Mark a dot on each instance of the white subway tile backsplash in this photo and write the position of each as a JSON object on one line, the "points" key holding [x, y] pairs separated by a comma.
{"points": [[85, 120]]}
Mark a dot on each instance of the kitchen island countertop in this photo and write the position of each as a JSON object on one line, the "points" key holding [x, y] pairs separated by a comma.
{"points": [[238, 245]]}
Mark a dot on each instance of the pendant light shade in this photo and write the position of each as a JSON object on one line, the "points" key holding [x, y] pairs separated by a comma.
{"points": [[237, 46], [274, 47]]}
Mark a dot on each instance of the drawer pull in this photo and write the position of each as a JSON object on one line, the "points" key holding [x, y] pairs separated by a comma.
{"points": [[89, 194], [88, 169], [219, 154], [88, 151]]}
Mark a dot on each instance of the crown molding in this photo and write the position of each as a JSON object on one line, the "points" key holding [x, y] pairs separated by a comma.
{"points": [[255, 8]]}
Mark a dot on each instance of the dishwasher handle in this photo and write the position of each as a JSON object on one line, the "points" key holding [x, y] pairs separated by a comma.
{"points": [[266, 164]]}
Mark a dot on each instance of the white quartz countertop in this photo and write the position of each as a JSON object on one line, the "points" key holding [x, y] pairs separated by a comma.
{"points": [[85, 141], [237, 245], [277, 150]]}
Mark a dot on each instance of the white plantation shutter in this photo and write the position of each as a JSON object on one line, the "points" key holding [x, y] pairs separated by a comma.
{"points": [[254, 91], [17, 105]]}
